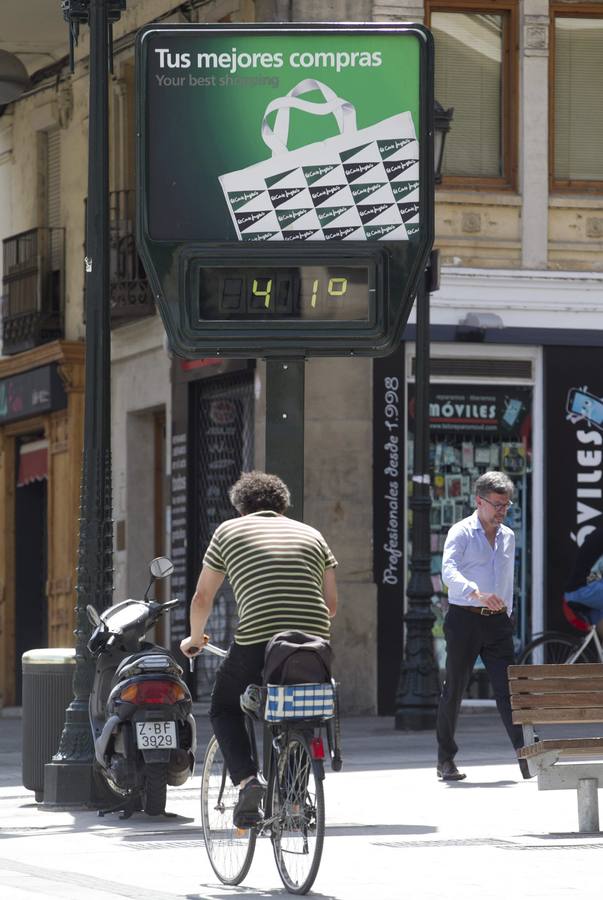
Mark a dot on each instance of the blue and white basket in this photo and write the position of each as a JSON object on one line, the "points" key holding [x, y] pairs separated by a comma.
{"points": [[299, 701]]}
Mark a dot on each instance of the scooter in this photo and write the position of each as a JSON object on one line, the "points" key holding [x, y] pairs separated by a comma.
{"points": [[140, 707]]}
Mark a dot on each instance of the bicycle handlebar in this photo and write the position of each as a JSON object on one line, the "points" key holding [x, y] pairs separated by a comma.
{"points": [[217, 651]]}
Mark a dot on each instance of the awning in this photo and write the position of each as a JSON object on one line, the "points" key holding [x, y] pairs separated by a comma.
{"points": [[33, 462]]}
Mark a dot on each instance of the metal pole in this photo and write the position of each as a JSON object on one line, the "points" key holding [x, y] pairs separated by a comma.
{"points": [[588, 805], [68, 778], [418, 690], [285, 427]]}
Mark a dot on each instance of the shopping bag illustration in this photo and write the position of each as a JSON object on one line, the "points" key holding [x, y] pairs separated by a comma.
{"points": [[360, 184]]}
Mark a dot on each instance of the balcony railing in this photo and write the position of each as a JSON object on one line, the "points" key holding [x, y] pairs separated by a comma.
{"points": [[33, 289], [130, 294]]}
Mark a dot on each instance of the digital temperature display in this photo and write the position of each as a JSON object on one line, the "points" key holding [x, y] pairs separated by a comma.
{"points": [[321, 293]]}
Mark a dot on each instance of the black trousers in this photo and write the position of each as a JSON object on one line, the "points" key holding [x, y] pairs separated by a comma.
{"points": [[468, 636], [241, 667]]}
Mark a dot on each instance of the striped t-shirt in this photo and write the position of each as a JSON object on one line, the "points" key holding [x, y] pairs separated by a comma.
{"points": [[275, 566]]}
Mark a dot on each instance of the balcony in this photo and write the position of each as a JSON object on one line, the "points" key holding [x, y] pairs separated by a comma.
{"points": [[33, 289], [130, 294]]}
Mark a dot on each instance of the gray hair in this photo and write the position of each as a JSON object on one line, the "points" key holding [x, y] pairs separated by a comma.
{"points": [[494, 482]]}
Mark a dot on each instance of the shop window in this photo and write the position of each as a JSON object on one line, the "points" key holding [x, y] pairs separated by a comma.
{"points": [[577, 100], [475, 73], [474, 429]]}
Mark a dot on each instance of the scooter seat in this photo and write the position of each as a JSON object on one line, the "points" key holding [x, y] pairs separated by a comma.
{"points": [[147, 662]]}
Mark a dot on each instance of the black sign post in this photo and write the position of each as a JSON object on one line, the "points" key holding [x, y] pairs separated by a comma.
{"points": [[68, 778]]}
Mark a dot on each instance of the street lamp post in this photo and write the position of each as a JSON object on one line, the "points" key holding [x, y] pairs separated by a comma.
{"points": [[68, 778], [419, 688]]}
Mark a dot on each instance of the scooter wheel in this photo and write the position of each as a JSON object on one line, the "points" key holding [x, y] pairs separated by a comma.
{"points": [[155, 788]]}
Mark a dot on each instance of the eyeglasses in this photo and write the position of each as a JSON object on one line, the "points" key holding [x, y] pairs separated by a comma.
{"points": [[498, 507]]}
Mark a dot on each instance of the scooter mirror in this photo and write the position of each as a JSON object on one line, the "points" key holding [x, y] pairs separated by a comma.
{"points": [[161, 567], [93, 616]]}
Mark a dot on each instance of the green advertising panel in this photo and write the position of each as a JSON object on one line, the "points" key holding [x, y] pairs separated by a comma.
{"points": [[285, 184]]}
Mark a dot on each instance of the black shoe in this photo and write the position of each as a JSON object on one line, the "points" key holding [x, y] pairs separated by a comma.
{"points": [[524, 769], [447, 771], [248, 808]]}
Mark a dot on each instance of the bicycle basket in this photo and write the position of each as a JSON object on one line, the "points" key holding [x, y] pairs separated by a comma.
{"points": [[299, 701]]}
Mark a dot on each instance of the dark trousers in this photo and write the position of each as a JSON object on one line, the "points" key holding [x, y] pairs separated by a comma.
{"points": [[468, 636], [241, 667]]}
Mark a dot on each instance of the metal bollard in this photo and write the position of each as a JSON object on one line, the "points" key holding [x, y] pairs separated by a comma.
{"points": [[588, 804]]}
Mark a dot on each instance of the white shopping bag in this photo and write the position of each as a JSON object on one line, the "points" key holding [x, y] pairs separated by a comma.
{"points": [[362, 184]]}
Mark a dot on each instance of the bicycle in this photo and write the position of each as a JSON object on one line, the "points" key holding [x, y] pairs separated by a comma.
{"points": [[555, 648], [294, 806]]}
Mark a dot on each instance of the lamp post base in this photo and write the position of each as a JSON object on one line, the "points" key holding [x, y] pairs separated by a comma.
{"points": [[67, 784], [68, 776]]}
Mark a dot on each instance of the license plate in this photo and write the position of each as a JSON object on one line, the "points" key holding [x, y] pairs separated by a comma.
{"points": [[156, 735]]}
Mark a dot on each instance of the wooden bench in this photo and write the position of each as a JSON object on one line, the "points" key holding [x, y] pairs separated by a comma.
{"points": [[562, 695]]}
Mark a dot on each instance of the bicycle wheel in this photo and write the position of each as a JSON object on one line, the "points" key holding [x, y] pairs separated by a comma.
{"points": [[296, 802], [555, 648], [230, 849]]}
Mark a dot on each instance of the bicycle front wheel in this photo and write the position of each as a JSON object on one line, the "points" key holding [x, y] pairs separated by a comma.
{"points": [[555, 648], [296, 803], [230, 849]]}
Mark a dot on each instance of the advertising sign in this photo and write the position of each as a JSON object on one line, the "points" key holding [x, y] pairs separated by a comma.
{"points": [[574, 464], [389, 513], [31, 394], [285, 183]]}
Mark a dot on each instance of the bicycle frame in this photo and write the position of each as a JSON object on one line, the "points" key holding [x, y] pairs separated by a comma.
{"points": [[593, 637]]}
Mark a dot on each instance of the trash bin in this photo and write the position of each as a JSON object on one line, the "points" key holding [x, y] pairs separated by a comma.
{"points": [[47, 692]]}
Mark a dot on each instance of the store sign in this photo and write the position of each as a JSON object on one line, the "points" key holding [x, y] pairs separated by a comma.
{"points": [[285, 183], [389, 564], [475, 409], [178, 531], [574, 463], [31, 394]]}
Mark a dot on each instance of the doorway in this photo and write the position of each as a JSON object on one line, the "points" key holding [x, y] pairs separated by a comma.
{"points": [[31, 561]]}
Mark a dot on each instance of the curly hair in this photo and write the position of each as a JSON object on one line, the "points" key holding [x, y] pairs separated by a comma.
{"points": [[494, 482], [256, 491]]}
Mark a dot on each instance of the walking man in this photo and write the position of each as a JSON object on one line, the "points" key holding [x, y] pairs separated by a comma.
{"points": [[477, 567]]}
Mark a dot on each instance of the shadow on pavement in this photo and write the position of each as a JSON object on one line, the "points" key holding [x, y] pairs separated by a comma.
{"points": [[253, 894], [463, 785], [372, 830]]}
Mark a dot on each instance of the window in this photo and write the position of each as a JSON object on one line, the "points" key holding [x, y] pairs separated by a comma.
{"points": [[577, 99], [475, 73]]}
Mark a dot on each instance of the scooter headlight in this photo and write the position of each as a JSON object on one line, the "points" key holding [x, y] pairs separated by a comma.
{"points": [[153, 692]]}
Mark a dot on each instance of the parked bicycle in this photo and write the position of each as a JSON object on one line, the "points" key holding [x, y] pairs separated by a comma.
{"points": [[555, 647], [293, 768]]}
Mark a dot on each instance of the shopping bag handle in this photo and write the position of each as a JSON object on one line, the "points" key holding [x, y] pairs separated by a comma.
{"points": [[276, 138]]}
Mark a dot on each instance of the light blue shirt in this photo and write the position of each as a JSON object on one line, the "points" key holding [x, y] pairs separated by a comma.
{"points": [[470, 563]]}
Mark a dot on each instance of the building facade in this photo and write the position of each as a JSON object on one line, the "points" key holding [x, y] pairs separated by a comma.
{"points": [[516, 339]]}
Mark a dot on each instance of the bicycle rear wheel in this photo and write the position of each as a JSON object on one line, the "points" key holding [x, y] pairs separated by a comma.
{"points": [[296, 801], [555, 648], [230, 849]]}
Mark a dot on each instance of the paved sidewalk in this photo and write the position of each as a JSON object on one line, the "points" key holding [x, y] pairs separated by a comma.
{"points": [[393, 832]]}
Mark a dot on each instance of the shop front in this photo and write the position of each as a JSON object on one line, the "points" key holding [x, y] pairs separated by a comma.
{"points": [[41, 431], [480, 418], [212, 442]]}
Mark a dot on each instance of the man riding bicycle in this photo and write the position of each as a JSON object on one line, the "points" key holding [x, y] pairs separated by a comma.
{"points": [[283, 576]]}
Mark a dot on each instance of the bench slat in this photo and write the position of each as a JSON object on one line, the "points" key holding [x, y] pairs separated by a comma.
{"points": [[557, 701], [577, 670], [554, 685], [552, 716], [565, 746]]}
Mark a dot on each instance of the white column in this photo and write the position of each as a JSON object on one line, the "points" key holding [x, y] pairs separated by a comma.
{"points": [[533, 155]]}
